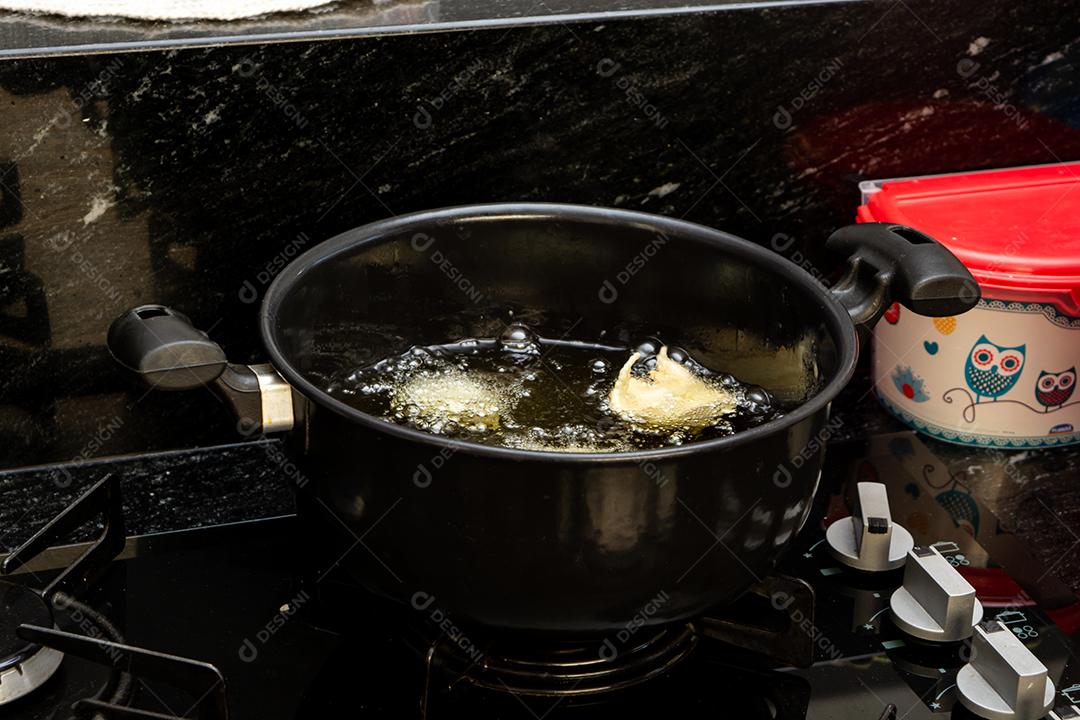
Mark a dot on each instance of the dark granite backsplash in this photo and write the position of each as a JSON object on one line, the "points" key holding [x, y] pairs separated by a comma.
{"points": [[189, 177]]}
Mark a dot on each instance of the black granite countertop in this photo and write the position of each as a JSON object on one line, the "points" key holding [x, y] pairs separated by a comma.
{"points": [[162, 491]]}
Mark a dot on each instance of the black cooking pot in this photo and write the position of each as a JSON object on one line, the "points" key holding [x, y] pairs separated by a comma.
{"points": [[569, 542]]}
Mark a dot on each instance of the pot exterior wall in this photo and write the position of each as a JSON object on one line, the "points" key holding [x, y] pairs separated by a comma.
{"points": [[534, 545], [926, 373]]}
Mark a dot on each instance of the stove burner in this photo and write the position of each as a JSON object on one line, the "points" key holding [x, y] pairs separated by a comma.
{"points": [[26, 663], [23, 666], [566, 669]]}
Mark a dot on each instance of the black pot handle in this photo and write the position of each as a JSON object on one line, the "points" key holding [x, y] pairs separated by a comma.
{"points": [[887, 263], [165, 351]]}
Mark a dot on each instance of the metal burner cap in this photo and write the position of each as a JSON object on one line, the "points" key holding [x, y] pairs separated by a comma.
{"points": [[23, 666]]}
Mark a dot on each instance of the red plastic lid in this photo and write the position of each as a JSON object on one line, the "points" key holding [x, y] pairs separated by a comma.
{"points": [[1016, 228]]}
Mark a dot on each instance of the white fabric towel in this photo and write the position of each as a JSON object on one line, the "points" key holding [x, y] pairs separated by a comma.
{"points": [[161, 9]]}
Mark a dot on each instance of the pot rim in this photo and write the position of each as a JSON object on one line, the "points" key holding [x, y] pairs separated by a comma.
{"points": [[837, 319]]}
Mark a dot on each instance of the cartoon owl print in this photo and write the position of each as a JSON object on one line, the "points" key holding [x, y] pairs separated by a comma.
{"points": [[992, 370], [1053, 389]]}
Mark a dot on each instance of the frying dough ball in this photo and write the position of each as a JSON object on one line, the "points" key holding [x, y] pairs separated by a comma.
{"points": [[472, 400], [670, 397]]}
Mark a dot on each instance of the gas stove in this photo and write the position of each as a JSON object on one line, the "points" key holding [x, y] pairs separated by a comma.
{"points": [[922, 607]]}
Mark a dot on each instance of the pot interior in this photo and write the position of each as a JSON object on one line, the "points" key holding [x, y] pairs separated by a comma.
{"points": [[567, 272]]}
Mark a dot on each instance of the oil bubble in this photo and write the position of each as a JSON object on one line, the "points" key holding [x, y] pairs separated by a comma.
{"points": [[518, 337], [677, 354], [648, 347]]}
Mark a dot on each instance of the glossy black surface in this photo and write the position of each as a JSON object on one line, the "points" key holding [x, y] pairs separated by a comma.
{"points": [[287, 650], [572, 544]]}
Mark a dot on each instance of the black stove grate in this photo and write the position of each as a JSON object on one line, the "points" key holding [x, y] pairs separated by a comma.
{"points": [[32, 635]]}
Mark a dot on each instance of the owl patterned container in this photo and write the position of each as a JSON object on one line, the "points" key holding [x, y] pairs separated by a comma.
{"points": [[1004, 374]]}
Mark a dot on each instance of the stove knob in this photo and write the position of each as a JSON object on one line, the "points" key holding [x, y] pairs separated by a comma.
{"points": [[935, 602], [1004, 680], [869, 540]]}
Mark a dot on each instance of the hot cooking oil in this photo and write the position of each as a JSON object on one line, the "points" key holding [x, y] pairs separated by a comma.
{"points": [[522, 391]]}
